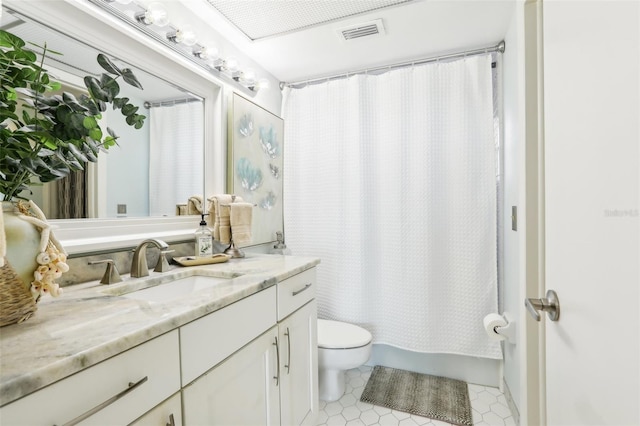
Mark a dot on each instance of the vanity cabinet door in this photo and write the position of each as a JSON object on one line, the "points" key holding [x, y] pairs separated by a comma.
{"points": [[169, 413], [299, 367], [242, 390], [114, 392]]}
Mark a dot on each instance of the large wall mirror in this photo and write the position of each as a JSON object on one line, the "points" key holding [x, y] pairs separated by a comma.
{"points": [[153, 171], [164, 178]]}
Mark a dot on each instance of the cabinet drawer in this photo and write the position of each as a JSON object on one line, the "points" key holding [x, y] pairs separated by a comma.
{"points": [[163, 414], [295, 292], [63, 401], [207, 341]]}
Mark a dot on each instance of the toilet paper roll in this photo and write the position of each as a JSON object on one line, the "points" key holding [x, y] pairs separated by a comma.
{"points": [[492, 321]]}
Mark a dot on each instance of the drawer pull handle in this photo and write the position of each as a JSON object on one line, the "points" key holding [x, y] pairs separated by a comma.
{"points": [[277, 376], [297, 292], [108, 402], [288, 364], [172, 422]]}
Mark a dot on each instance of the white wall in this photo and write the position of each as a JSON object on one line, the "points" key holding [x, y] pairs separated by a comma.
{"points": [[512, 82]]}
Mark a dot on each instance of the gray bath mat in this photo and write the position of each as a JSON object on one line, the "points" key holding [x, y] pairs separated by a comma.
{"points": [[435, 397]]}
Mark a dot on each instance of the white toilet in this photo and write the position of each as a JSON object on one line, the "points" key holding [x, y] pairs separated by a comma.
{"points": [[341, 346]]}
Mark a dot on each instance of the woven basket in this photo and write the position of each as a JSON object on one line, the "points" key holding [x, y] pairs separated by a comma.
{"points": [[16, 302]]}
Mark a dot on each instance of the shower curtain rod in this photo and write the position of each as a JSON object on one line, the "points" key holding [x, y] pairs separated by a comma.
{"points": [[497, 48]]}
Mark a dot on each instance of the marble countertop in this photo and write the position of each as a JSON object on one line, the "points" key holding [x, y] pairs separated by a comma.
{"points": [[89, 323]]}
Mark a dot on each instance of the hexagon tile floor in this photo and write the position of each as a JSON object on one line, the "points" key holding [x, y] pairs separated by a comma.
{"points": [[488, 404]]}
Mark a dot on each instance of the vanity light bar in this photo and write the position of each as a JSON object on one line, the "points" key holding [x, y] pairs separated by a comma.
{"points": [[153, 21]]}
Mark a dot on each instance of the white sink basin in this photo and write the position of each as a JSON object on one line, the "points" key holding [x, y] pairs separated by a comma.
{"points": [[164, 292]]}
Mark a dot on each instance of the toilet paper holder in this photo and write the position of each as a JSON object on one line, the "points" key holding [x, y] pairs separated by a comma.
{"points": [[500, 327], [508, 331]]}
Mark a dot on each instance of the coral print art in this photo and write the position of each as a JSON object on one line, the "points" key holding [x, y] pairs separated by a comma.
{"points": [[255, 153]]}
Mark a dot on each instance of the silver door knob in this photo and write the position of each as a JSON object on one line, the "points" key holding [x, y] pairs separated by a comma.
{"points": [[549, 304]]}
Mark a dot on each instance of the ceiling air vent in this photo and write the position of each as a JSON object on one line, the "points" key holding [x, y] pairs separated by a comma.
{"points": [[363, 29]]}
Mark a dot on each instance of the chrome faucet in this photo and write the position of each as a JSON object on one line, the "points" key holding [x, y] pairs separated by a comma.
{"points": [[139, 262]]}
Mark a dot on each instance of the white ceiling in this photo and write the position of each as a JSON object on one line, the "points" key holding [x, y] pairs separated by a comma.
{"points": [[414, 30]]}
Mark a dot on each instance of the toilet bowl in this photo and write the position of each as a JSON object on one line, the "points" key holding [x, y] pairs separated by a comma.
{"points": [[341, 346]]}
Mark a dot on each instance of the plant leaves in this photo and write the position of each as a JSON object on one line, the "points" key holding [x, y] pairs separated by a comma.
{"points": [[107, 65], [95, 133], [77, 153], [77, 121], [63, 114], [44, 152], [90, 123], [10, 40], [46, 48], [130, 78], [120, 102], [91, 106], [25, 91], [95, 89], [129, 109], [109, 85]]}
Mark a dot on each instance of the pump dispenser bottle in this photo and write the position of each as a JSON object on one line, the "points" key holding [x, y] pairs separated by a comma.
{"points": [[204, 240]]}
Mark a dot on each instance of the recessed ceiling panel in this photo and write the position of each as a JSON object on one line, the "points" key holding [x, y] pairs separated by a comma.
{"points": [[261, 18]]}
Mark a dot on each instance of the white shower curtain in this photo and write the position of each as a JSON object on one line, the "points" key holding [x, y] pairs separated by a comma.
{"points": [[176, 139], [391, 180]]}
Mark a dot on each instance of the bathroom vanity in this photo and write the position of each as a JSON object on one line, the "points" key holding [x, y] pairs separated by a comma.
{"points": [[239, 351]]}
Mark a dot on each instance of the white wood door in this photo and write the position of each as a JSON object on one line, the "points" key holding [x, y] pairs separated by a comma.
{"points": [[299, 367], [592, 187], [240, 391]]}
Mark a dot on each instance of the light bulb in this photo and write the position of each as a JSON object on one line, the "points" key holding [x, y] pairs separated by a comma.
{"points": [[231, 64], [186, 36], [249, 76], [263, 83], [155, 14], [211, 53]]}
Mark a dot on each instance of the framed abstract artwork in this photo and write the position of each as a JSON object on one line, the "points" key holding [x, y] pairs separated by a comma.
{"points": [[255, 165]]}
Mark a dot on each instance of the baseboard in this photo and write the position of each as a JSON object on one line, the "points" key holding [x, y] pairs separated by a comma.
{"points": [[512, 405], [480, 371]]}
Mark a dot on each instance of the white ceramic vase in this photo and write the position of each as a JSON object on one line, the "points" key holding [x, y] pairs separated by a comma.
{"points": [[23, 243]]}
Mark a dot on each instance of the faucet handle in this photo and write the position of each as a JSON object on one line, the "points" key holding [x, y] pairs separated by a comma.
{"points": [[162, 265], [111, 275]]}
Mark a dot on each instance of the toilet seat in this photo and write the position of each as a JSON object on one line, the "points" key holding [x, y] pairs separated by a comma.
{"points": [[341, 335]]}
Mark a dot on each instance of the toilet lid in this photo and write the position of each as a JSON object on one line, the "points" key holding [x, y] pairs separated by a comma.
{"points": [[341, 335]]}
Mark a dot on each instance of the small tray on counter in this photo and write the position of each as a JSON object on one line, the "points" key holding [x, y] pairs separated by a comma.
{"points": [[201, 260]]}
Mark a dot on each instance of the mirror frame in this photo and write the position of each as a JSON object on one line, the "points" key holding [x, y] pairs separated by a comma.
{"points": [[83, 21]]}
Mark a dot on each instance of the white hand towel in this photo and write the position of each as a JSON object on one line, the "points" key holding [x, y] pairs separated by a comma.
{"points": [[214, 212], [240, 220], [220, 211]]}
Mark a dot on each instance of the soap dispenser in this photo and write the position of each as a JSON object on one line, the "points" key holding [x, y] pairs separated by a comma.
{"points": [[204, 239]]}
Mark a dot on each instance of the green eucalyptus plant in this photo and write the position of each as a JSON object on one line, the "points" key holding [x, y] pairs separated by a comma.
{"points": [[45, 135]]}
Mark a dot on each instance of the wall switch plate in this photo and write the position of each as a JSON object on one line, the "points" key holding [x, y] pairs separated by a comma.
{"points": [[122, 209], [514, 218]]}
